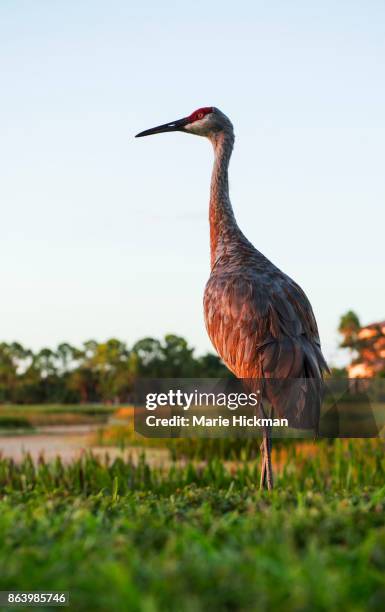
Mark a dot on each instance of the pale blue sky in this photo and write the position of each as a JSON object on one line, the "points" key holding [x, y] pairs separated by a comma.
{"points": [[104, 235]]}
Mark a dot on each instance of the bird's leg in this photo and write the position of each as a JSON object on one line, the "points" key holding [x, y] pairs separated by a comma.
{"points": [[266, 481], [269, 467], [263, 465], [266, 468]]}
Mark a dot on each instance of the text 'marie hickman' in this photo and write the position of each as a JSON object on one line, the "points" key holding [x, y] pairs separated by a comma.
{"points": [[215, 421]]}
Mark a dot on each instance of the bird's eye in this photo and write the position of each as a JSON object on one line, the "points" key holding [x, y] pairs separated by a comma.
{"points": [[200, 115]]}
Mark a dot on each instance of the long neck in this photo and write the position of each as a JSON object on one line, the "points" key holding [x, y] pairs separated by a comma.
{"points": [[222, 221]]}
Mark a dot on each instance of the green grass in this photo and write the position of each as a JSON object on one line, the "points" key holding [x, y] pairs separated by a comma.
{"points": [[20, 416], [9, 421], [135, 538], [57, 408]]}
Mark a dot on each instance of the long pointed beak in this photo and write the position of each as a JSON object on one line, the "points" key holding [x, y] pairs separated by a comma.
{"points": [[174, 126]]}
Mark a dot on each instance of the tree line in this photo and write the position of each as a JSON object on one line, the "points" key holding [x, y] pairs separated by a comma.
{"points": [[97, 371], [106, 371]]}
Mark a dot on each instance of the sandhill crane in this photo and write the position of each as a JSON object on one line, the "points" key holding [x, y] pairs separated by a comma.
{"points": [[259, 320]]}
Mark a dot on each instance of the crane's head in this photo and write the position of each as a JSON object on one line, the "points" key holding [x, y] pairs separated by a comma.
{"points": [[206, 121]]}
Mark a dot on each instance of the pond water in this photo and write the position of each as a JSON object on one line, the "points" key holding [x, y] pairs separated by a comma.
{"points": [[69, 442]]}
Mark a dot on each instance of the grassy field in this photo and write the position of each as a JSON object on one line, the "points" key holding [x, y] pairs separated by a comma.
{"points": [[121, 536], [27, 417]]}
